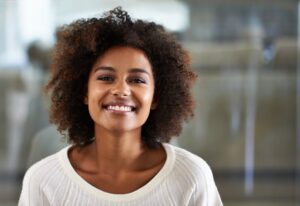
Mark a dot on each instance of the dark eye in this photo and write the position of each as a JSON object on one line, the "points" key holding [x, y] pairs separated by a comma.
{"points": [[105, 78], [137, 81]]}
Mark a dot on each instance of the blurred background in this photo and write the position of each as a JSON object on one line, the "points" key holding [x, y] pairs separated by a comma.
{"points": [[247, 121]]}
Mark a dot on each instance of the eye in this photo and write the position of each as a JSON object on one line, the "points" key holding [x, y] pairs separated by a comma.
{"points": [[106, 78], [137, 80]]}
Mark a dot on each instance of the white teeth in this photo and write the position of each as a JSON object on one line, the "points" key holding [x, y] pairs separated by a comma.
{"points": [[119, 108]]}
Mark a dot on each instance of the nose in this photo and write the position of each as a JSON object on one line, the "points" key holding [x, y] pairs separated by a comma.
{"points": [[120, 88]]}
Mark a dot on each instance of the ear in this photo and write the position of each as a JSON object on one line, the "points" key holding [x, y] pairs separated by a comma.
{"points": [[153, 105], [85, 100]]}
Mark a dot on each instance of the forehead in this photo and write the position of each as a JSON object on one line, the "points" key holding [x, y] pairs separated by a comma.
{"points": [[123, 57]]}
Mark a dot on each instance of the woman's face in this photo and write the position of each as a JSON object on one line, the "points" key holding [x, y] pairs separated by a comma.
{"points": [[120, 89]]}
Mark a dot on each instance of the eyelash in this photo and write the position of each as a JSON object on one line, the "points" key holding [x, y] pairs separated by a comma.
{"points": [[105, 78], [138, 80], [131, 80]]}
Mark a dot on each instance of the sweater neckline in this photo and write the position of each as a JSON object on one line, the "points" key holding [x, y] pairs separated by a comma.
{"points": [[148, 187]]}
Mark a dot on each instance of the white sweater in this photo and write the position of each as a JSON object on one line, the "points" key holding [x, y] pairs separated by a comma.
{"points": [[185, 179]]}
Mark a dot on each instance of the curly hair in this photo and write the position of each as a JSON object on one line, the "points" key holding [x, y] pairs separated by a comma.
{"points": [[78, 46]]}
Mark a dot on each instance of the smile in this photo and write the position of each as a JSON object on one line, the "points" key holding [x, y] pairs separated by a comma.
{"points": [[121, 108]]}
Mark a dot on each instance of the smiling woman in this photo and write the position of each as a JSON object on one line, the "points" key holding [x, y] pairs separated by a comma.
{"points": [[121, 89]]}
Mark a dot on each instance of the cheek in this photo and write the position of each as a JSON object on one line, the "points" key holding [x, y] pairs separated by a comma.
{"points": [[147, 97], [94, 104], [94, 94]]}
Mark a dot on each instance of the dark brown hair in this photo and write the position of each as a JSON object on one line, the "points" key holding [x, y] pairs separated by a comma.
{"points": [[80, 43]]}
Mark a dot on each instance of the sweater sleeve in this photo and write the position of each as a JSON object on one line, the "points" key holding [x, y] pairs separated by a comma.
{"points": [[206, 192], [31, 193]]}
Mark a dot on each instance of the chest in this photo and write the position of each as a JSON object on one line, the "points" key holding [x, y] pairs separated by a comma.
{"points": [[122, 183], [166, 192]]}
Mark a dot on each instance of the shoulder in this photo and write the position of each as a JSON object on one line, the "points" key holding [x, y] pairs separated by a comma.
{"points": [[190, 163], [45, 163], [40, 172], [39, 178], [195, 175], [191, 170]]}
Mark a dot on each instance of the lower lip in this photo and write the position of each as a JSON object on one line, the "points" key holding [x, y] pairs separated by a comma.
{"points": [[118, 112]]}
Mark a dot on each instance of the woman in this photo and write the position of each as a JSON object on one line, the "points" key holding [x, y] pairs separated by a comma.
{"points": [[120, 89]]}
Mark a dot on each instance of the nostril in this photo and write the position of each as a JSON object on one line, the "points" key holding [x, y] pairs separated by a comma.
{"points": [[120, 88], [120, 92]]}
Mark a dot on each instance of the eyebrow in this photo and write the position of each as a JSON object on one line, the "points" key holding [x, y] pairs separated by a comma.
{"points": [[131, 70]]}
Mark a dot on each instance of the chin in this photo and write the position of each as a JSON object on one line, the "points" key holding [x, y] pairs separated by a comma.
{"points": [[121, 128]]}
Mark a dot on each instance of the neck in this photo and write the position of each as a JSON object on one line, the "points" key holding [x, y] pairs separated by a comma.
{"points": [[116, 152]]}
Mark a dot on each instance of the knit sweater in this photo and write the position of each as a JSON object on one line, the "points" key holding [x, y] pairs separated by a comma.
{"points": [[185, 179]]}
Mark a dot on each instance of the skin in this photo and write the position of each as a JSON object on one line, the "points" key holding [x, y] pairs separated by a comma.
{"points": [[117, 161]]}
